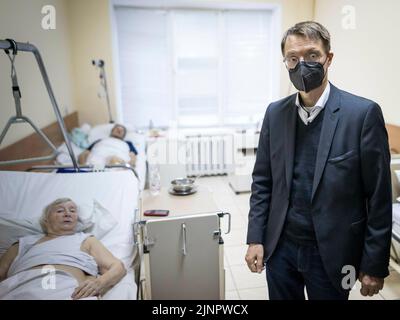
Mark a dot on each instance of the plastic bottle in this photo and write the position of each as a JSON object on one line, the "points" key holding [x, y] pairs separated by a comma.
{"points": [[155, 180]]}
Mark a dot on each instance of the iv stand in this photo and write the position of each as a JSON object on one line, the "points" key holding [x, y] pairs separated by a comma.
{"points": [[103, 82]]}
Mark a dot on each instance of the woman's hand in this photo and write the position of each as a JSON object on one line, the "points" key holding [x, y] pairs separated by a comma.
{"points": [[112, 270], [89, 288]]}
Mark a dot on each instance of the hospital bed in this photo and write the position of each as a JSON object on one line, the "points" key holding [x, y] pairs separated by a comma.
{"points": [[67, 153], [23, 195], [102, 131]]}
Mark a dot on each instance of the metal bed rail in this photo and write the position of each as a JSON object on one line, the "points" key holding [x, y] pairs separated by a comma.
{"points": [[11, 45], [85, 167]]}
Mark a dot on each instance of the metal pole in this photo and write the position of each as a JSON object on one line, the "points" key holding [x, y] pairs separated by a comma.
{"points": [[27, 47], [107, 97]]}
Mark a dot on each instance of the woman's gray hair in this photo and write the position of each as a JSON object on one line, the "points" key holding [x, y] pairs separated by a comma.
{"points": [[47, 210]]}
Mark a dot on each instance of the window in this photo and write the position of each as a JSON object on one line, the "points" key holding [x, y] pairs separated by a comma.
{"points": [[195, 67]]}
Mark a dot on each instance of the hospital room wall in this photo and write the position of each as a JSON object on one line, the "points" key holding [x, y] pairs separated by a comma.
{"points": [[22, 20], [365, 61], [90, 34]]}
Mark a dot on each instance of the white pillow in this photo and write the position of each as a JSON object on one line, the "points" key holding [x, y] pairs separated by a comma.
{"points": [[86, 128], [397, 172], [100, 222], [63, 156], [94, 219]]}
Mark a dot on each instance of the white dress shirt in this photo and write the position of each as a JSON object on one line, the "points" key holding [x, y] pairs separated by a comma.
{"points": [[308, 114]]}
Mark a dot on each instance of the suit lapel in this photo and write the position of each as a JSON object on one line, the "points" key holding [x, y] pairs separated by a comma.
{"points": [[290, 135], [329, 125]]}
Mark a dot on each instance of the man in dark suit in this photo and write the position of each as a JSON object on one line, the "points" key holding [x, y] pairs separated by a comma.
{"points": [[321, 208]]}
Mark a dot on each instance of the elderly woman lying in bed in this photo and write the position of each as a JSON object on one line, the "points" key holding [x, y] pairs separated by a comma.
{"points": [[60, 264]]}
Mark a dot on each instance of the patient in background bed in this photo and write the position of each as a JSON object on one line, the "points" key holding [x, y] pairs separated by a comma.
{"points": [[82, 266], [111, 150]]}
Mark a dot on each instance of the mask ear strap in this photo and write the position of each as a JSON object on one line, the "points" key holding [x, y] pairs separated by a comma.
{"points": [[325, 60], [324, 65]]}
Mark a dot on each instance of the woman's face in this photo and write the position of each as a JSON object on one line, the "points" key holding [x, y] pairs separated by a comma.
{"points": [[62, 218]]}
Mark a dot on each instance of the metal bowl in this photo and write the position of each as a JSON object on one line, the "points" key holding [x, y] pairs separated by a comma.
{"points": [[182, 184]]}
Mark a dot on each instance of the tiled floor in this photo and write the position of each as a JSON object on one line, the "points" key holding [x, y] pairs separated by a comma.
{"points": [[240, 283]]}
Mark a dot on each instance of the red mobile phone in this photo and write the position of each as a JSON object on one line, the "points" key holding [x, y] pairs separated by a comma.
{"points": [[156, 213]]}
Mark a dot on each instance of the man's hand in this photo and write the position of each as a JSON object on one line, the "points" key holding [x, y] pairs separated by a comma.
{"points": [[255, 257], [370, 285]]}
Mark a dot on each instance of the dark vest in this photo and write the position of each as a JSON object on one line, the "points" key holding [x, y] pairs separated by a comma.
{"points": [[299, 225]]}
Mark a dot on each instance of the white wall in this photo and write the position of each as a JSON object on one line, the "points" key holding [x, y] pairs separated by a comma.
{"points": [[90, 22], [365, 57], [21, 20]]}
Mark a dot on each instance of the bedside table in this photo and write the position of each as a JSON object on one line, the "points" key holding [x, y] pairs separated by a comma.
{"points": [[183, 256]]}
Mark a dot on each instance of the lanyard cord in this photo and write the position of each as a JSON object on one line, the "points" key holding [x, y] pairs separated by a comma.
{"points": [[14, 79]]}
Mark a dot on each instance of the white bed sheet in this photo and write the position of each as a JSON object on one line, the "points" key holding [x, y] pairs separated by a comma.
{"points": [[24, 194], [138, 140]]}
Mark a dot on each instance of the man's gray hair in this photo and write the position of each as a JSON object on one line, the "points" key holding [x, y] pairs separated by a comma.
{"points": [[47, 210], [122, 126], [311, 30]]}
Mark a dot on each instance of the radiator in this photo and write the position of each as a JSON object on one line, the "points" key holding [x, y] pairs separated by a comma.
{"points": [[209, 155]]}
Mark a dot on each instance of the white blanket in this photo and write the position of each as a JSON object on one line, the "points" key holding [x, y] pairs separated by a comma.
{"points": [[35, 284], [107, 148]]}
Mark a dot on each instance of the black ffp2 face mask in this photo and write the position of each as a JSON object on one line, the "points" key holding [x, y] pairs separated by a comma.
{"points": [[307, 76]]}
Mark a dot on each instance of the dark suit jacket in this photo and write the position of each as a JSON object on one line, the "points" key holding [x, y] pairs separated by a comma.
{"points": [[351, 195]]}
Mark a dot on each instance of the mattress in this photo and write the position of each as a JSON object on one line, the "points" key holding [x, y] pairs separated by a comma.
{"points": [[24, 195]]}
